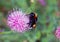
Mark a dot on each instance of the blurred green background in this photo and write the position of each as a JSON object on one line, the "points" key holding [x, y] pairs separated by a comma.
{"points": [[48, 20]]}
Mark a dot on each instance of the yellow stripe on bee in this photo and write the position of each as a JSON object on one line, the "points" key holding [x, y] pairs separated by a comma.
{"points": [[35, 15]]}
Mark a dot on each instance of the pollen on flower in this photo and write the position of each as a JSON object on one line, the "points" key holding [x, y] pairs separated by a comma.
{"points": [[18, 21]]}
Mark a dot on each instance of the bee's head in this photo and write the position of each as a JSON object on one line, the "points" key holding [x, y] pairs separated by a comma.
{"points": [[33, 15]]}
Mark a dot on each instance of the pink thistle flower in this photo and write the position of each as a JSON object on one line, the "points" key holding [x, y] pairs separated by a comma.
{"points": [[18, 21], [42, 2], [57, 33]]}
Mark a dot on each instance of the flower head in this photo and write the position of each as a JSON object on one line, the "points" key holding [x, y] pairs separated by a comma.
{"points": [[57, 33], [42, 2], [18, 21]]}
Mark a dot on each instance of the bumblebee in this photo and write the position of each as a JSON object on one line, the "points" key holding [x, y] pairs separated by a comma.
{"points": [[33, 19]]}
